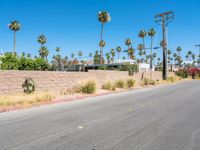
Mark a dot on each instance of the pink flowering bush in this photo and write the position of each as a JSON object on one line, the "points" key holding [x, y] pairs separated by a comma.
{"points": [[194, 72]]}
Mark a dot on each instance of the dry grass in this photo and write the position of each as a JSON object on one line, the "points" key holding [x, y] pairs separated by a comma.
{"points": [[25, 100]]}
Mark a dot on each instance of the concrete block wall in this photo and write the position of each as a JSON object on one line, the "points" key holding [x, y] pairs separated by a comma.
{"points": [[11, 81]]}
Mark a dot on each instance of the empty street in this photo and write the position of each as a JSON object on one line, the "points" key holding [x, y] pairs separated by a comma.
{"points": [[166, 117]]}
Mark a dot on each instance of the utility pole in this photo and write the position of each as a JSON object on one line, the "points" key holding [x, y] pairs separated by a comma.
{"points": [[164, 19], [198, 55]]}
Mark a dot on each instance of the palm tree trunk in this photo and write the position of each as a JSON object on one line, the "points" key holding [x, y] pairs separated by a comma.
{"points": [[151, 63], [14, 41], [101, 48], [118, 55]]}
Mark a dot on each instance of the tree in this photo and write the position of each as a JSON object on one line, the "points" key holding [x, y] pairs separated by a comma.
{"points": [[96, 58], [189, 54], [179, 49], [108, 57], [112, 52], [103, 17], [128, 42], [42, 40], [158, 60], [118, 49], [90, 55], [151, 33], [80, 54], [131, 52], [43, 52], [58, 49], [142, 34], [14, 26], [72, 55], [154, 57], [193, 58]]}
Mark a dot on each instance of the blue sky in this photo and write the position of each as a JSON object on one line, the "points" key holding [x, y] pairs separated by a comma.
{"points": [[73, 25]]}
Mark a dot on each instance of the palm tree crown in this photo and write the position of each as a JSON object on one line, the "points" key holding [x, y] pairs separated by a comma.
{"points": [[15, 26], [128, 42], [151, 32], [142, 34], [42, 40], [104, 16]]}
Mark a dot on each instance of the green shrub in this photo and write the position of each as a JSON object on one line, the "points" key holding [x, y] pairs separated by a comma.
{"points": [[89, 87], [130, 83], [183, 73], [107, 86], [120, 84], [28, 85]]}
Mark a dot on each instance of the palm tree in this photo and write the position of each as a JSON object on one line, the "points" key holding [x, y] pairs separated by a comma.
{"points": [[72, 55], [42, 40], [189, 54], [128, 42], [108, 57], [142, 34], [58, 49], [140, 54], [103, 17], [179, 49], [158, 60], [112, 52], [80, 54], [131, 52], [43, 52], [14, 26], [193, 58], [151, 33], [118, 49], [154, 57], [187, 57], [90, 55]]}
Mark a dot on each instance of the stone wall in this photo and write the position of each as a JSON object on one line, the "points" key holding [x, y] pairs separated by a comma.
{"points": [[11, 81]]}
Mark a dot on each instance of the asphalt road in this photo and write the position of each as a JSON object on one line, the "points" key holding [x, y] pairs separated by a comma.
{"points": [[160, 118]]}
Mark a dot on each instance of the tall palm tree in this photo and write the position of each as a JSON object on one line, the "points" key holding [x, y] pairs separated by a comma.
{"points": [[80, 54], [187, 57], [154, 57], [179, 49], [72, 55], [103, 17], [108, 57], [158, 60], [189, 54], [43, 52], [142, 34], [151, 33], [58, 49], [128, 42], [42, 40], [14, 26], [193, 58], [131, 52], [90, 55], [118, 49], [112, 52]]}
